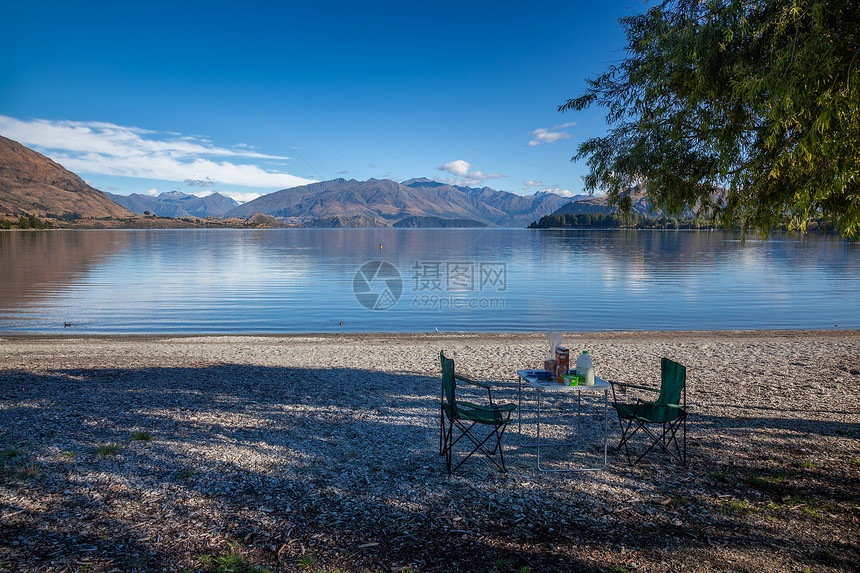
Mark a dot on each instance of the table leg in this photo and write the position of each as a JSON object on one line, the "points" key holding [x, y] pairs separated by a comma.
{"points": [[578, 413], [540, 395], [520, 409]]}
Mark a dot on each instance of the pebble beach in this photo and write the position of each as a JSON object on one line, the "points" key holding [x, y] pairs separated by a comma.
{"points": [[321, 453]]}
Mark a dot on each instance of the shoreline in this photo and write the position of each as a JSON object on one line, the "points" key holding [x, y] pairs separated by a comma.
{"points": [[320, 452], [633, 334]]}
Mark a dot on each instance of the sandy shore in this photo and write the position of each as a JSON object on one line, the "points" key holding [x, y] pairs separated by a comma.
{"points": [[320, 453]]}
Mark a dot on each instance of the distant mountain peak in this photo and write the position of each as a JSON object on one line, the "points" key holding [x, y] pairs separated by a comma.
{"points": [[422, 182], [174, 195], [176, 204]]}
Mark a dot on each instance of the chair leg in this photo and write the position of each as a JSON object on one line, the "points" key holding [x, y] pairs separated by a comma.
{"points": [[666, 438], [441, 429], [626, 435], [684, 432], [449, 444], [480, 446], [499, 446]]}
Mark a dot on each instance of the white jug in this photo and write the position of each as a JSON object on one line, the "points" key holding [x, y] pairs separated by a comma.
{"points": [[585, 368]]}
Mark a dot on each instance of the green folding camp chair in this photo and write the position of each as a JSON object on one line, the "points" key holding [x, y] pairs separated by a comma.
{"points": [[659, 420], [465, 416]]}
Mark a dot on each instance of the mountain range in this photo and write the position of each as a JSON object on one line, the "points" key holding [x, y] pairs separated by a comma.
{"points": [[31, 183], [389, 202], [176, 204]]}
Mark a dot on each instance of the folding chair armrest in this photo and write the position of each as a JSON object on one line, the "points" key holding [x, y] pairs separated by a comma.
{"points": [[506, 408], [626, 385], [484, 385]]}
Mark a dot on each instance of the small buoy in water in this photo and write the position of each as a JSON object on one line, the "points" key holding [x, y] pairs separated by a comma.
{"points": [[341, 324], [380, 246], [836, 325]]}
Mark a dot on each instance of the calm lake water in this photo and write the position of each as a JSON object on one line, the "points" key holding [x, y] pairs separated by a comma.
{"points": [[418, 280]]}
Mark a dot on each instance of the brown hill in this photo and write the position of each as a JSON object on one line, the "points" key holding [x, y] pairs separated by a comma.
{"points": [[33, 184]]}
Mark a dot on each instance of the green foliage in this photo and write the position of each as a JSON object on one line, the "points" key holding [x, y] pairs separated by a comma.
{"points": [[187, 473], [614, 221], [230, 561], [304, 562], [141, 436], [12, 453], [68, 217], [770, 485], [108, 450], [745, 111], [739, 506], [829, 555], [5, 224], [32, 222]]}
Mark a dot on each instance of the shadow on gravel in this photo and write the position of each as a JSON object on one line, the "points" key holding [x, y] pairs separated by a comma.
{"points": [[324, 469]]}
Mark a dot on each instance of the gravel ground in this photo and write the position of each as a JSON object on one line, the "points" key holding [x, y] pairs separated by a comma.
{"points": [[320, 453]]}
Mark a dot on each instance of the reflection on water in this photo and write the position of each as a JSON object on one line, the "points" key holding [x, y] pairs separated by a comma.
{"points": [[302, 280]]}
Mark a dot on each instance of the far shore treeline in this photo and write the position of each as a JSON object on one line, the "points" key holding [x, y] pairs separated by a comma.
{"points": [[637, 221]]}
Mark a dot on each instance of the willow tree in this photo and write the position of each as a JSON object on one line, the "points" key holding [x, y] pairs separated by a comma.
{"points": [[748, 111]]}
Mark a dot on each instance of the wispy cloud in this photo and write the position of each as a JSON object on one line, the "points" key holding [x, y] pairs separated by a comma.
{"points": [[464, 175], [110, 149], [544, 188], [550, 134], [199, 183], [557, 191]]}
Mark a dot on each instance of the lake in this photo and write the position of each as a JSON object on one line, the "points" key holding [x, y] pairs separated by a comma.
{"points": [[421, 280]]}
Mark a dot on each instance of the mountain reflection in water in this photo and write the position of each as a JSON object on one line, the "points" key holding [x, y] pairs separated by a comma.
{"points": [[494, 280]]}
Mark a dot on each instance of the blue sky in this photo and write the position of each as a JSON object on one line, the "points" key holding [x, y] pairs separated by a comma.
{"points": [[250, 97]]}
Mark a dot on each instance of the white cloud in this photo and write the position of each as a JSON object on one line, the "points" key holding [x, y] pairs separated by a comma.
{"points": [[464, 174], [110, 149], [537, 183], [550, 135], [459, 167], [558, 191]]}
